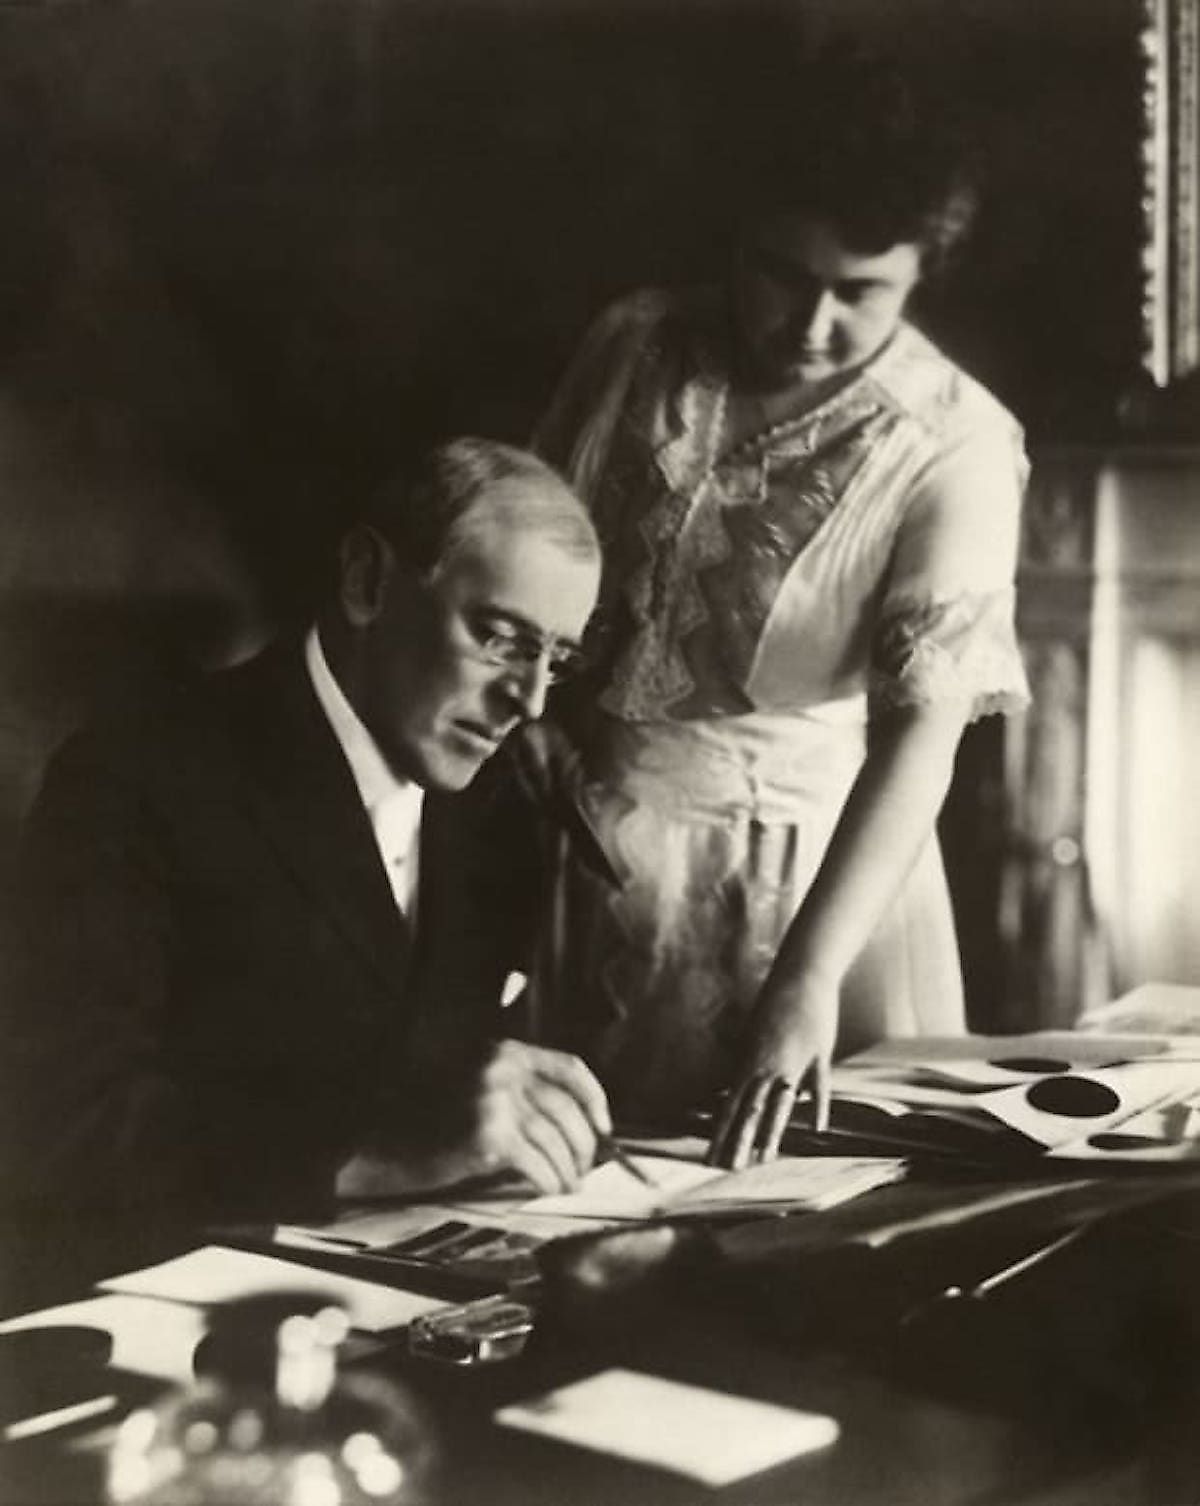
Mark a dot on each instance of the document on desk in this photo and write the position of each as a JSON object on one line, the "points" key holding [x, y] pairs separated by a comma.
{"points": [[683, 1189], [998, 1097], [149, 1337], [1164, 1009], [1067, 1047], [708, 1436], [1166, 1134], [215, 1274], [397, 1230]]}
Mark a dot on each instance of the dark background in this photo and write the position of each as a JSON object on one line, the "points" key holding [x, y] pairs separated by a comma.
{"points": [[254, 249]]}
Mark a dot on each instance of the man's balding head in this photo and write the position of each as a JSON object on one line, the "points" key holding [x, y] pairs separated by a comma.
{"points": [[469, 486]]}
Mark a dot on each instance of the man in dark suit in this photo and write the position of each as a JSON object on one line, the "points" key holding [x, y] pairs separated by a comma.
{"points": [[262, 938]]}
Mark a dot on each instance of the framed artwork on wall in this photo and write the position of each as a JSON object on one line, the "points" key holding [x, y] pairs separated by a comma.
{"points": [[1169, 52]]}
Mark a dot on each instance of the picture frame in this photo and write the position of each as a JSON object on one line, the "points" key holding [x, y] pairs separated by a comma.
{"points": [[1169, 253]]}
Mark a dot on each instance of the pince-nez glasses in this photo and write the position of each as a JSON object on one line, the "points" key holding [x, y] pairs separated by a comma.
{"points": [[509, 646]]}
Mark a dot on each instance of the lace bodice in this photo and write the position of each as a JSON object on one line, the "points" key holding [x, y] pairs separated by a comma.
{"points": [[864, 550]]}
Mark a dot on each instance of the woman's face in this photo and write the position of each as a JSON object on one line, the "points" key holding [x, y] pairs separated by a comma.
{"points": [[807, 308]]}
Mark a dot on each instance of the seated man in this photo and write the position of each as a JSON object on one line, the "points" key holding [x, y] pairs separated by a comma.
{"points": [[230, 994]]}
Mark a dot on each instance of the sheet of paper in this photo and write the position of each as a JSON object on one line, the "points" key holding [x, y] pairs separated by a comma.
{"points": [[371, 1228], [1084, 1050], [795, 1181], [1168, 1133], [1057, 1089], [1079, 1105], [382, 1228], [215, 1274], [612, 1191], [708, 1436], [150, 1337], [1172, 1009], [936, 1082], [683, 1187]]}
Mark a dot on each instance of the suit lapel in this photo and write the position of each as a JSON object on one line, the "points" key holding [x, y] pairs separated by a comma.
{"points": [[306, 802], [442, 889], [457, 971]]}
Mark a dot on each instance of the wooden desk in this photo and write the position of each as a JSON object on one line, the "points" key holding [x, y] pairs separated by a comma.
{"points": [[1058, 1393]]}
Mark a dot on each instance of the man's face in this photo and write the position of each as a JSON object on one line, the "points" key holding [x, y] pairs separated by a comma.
{"points": [[808, 308], [452, 664]]}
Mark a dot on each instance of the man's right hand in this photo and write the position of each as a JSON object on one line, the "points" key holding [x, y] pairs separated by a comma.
{"points": [[524, 1109], [537, 1112]]}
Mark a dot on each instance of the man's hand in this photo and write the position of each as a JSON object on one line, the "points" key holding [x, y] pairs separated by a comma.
{"points": [[526, 1109], [538, 1112], [790, 1048]]}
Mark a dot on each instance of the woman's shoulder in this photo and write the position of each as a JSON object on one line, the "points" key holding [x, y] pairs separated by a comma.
{"points": [[937, 393]]}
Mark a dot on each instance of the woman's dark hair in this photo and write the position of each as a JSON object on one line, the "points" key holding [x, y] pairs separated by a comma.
{"points": [[859, 140]]}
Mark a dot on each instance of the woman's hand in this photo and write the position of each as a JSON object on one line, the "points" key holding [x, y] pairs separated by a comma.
{"points": [[791, 1045], [888, 817]]}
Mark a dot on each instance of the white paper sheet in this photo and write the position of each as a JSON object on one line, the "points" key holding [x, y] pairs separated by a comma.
{"points": [[1090, 1050], [1171, 1009], [684, 1188], [151, 1338], [1165, 1134], [214, 1274], [375, 1229], [708, 1436], [812, 1182], [371, 1229], [1134, 1088], [612, 1191]]}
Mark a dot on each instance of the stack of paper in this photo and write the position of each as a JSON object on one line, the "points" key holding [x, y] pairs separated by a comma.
{"points": [[1052, 1094]]}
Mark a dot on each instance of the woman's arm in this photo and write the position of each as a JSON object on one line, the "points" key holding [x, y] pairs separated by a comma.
{"points": [[944, 651], [887, 819]]}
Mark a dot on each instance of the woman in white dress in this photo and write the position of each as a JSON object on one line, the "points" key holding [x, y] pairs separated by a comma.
{"points": [[810, 518]]}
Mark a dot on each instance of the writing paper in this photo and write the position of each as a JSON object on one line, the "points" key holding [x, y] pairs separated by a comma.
{"points": [[1130, 1089], [1050, 1092], [150, 1337], [612, 1191], [214, 1274], [708, 1436], [1169, 1132], [681, 1188], [1170, 1009], [808, 1182], [385, 1229], [1072, 1046]]}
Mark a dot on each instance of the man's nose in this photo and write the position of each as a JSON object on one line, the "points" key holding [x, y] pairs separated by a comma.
{"points": [[528, 685]]}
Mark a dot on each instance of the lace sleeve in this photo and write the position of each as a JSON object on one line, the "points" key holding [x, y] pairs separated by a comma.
{"points": [[965, 647]]}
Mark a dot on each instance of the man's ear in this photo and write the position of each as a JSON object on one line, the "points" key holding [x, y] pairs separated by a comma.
{"points": [[366, 564]]}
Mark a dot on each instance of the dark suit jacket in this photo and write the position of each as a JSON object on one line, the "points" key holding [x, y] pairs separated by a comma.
{"points": [[212, 996]]}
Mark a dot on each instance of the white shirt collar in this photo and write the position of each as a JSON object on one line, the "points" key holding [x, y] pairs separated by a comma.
{"points": [[377, 785]]}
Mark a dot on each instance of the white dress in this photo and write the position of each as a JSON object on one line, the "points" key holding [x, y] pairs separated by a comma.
{"points": [[763, 602]]}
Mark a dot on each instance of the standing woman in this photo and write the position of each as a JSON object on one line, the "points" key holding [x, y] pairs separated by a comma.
{"points": [[810, 520]]}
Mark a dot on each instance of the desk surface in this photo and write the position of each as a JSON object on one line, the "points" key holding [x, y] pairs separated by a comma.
{"points": [[1054, 1393]]}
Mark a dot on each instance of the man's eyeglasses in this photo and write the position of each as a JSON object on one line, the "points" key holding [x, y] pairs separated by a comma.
{"points": [[508, 646]]}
